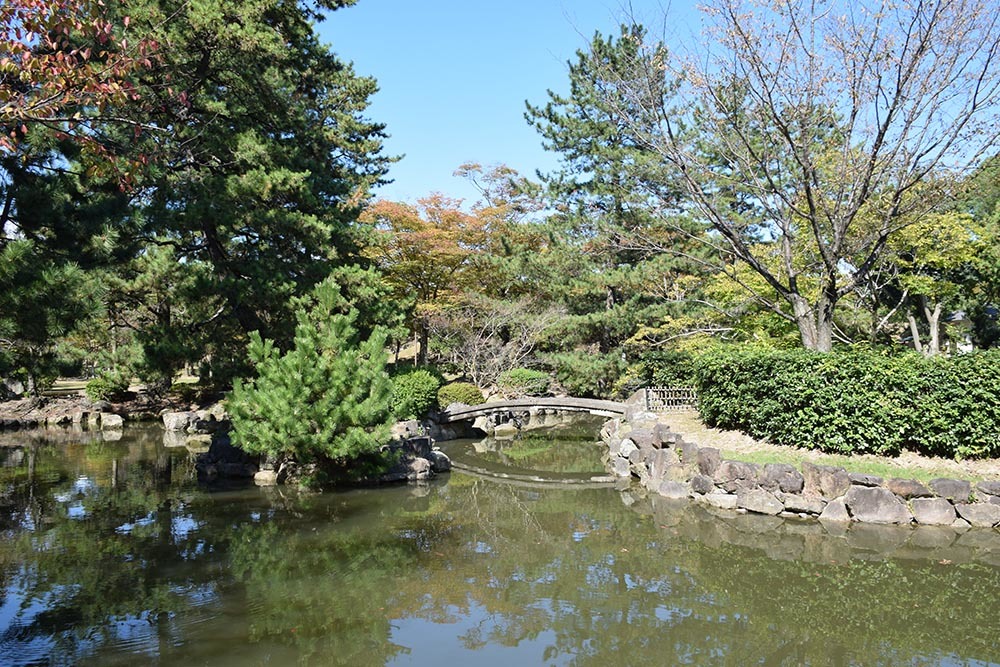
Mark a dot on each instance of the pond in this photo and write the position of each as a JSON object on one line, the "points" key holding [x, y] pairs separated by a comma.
{"points": [[111, 554]]}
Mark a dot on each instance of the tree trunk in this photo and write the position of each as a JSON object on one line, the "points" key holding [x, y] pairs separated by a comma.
{"points": [[422, 344], [934, 325], [815, 324], [915, 333]]}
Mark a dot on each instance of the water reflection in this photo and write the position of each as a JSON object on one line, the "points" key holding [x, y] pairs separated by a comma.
{"points": [[567, 449], [111, 554]]}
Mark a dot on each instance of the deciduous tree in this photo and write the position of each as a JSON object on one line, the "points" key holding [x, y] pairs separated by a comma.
{"points": [[424, 252], [795, 120]]}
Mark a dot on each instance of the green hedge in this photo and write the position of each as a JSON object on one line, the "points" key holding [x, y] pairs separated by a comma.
{"points": [[414, 393], [460, 392], [107, 387], [666, 368], [856, 401]]}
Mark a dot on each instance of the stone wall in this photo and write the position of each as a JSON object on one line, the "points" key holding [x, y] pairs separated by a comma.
{"points": [[645, 450]]}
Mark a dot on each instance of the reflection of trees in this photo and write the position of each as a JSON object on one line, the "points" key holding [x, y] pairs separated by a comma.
{"points": [[156, 566], [613, 587], [542, 453], [91, 536]]}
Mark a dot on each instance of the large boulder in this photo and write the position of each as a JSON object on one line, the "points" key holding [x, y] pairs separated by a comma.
{"points": [[735, 475], [688, 451], [406, 429], [861, 479], [178, 421], [702, 484], [626, 447], [908, 488], [724, 501], [759, 501], [620, 467], [980, 515], [825, 481], [933, 511], [439, 461], [955, 490], [803, 504], [111, 422], [505, 431], [835, 512], [645, 438], [781, 477], [709, 459], [876, 505], [990, 488], [265, 477], [661, 462]]}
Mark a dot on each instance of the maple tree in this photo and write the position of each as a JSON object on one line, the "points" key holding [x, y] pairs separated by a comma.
{"points": [[424, 252], [66, 69]]}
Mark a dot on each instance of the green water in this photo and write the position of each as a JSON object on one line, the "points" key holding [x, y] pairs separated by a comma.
{"points": [[567, 452], [111, 554]]}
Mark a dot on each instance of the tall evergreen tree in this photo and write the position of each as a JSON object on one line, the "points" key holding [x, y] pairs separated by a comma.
{"points": [[262, 157], [625, 251]]}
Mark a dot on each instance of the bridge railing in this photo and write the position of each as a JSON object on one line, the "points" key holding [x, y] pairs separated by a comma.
{"points": [[670, 399]]}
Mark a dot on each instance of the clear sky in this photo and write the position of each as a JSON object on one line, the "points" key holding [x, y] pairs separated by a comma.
{"points": [[454, 76]]}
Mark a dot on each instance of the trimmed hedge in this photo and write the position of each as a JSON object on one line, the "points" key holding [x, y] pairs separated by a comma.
{"points": [[107, 387], [414, 393], [856, 402], [460, 392]]}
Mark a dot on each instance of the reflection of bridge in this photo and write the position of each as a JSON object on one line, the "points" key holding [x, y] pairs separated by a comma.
{"points": [[567, 404]]}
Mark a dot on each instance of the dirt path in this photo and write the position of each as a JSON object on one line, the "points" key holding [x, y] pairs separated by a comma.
{"points": [[736, 445]]}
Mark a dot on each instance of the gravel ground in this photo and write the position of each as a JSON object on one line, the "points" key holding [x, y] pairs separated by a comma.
{"points": [[740, 446]]}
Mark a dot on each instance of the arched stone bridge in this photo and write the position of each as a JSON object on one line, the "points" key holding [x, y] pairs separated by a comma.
{"points": [[567, 404]]}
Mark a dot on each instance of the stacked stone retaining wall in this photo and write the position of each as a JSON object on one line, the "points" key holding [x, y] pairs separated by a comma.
{"points": [[647, 451]]}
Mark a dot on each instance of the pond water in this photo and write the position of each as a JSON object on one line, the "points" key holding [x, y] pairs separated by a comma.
{"points": [[111, 554]]}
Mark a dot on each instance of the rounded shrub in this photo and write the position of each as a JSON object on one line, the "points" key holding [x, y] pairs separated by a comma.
{"points": [[107, 387], [524, 382], [459, 392], [587, 374], [414, 393]]}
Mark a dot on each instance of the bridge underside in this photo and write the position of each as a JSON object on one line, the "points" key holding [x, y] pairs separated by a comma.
{"points": [[591, 406]]}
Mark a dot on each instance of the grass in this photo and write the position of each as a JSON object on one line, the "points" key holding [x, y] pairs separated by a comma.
{"points": [[879, 468], [739, 447]]}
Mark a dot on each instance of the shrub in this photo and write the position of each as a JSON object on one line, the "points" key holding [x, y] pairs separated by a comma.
{"points": [[107, 387], [586, 374], [459, 392], [524, 382], [414, 393], [667, 368], [856, 401]]}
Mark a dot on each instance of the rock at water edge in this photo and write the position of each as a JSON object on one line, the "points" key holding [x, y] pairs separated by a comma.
{"points": [[933, 511], [980, 515], [876, 505], [759, 501]]}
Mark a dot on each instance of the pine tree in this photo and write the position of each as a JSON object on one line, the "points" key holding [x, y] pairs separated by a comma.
{"points": [[621, 254], [327, 398], [261, 159]]}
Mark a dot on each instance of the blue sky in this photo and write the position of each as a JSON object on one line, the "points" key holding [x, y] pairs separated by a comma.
{"points": [[454, 76]]}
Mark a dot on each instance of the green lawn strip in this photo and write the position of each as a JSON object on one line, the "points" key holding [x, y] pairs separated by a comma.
{"points": [[885, 469]]}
